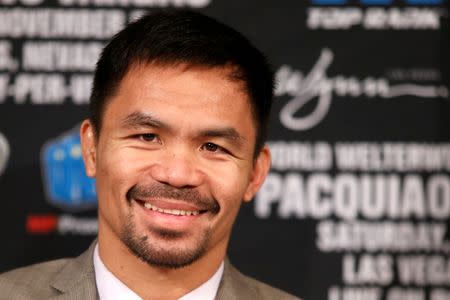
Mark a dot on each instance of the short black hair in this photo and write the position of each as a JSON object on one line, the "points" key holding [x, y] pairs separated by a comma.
{"points": [[179, 36]]}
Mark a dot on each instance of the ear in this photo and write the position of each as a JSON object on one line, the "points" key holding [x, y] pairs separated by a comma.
{"points": [[260, 169], [88, 147]]}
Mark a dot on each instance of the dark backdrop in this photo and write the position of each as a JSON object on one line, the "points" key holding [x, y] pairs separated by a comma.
{"points": [[358, 200]]}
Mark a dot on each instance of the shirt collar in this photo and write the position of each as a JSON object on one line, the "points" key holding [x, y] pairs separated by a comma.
{"points": [[110, 287]]}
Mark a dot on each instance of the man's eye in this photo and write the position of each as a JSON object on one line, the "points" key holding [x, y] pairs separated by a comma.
{"points": [[211, 147], [148, 137]]}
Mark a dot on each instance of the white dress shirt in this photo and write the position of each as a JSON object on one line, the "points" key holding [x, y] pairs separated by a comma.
{"points": [[111, 288]]}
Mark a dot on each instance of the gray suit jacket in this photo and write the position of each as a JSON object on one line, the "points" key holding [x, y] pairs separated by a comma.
{"points": [[74, 279]]}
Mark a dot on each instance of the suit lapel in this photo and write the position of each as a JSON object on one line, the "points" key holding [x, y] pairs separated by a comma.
{"points": [[77, 279], [232, 285]]}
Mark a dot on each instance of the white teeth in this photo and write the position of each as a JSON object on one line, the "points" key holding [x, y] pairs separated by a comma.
{"points": [[175, 212]]}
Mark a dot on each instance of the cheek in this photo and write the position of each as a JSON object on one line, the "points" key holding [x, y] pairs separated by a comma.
{"points": [[228, 186], [113, 178], [117, 162]]}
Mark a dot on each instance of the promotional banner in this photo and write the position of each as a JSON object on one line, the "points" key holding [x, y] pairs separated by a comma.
{"points": [[357, 202]]}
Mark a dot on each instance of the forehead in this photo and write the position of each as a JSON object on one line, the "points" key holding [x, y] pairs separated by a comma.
{"points": [[205, 93], [201, 82]]}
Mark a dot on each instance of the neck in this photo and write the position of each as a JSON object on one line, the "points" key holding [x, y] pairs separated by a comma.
{"points": [[151, 282]]}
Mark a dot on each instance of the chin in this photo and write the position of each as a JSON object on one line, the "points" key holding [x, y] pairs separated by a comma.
{"points": [[166, 248]]}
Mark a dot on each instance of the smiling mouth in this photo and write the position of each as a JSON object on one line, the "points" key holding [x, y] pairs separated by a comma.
{"points": [[172, 201], [175, 212]]}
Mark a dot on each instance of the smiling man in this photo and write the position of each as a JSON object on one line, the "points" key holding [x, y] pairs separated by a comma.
{"points": [[175, 140]]}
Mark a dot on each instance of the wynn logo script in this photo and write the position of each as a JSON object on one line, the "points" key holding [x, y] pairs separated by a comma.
{"points": [[317, 85]]}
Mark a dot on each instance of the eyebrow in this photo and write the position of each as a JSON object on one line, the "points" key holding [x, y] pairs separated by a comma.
{"points": [[139, 120], [227, 133]]}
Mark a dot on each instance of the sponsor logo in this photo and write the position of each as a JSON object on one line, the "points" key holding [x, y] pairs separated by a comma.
{"points": [[376, 14], [4, 153], [41, 224], [65, 181], [67, 187], [317, 85]]}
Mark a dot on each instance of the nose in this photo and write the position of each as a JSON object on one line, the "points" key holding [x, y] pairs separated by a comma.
{"points": [[178, 169]]}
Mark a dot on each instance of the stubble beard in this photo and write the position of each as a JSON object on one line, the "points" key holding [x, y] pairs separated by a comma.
{"points": [[162, 247], [156, 254]]}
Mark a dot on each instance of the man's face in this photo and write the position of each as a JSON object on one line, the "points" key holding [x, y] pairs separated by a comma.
{"points": [[173, 162]]}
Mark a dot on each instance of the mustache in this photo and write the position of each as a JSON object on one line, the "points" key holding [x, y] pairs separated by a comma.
{"points": [[187, 195]]}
